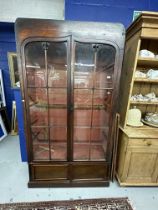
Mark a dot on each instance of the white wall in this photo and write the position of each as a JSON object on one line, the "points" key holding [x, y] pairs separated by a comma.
{"points": [[50, 9]]}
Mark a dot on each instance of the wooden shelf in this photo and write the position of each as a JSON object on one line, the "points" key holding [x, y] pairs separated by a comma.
{"points": [[146, 80], [62, 106], [141, 132], [148, 61], [144, 102]]}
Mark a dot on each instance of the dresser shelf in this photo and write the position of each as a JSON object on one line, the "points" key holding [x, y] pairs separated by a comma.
{"points": [[138, 146]]}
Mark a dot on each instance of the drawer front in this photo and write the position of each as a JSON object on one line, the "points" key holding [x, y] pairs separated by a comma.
{"points": [[86, 171], [71, 171], [49, 172], [143, 142]]}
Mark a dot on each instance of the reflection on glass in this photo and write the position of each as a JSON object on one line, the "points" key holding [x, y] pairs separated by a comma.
{"points": [[57, 64], [36, 77], [40, 143], [100, 118], [81, 135], [83, 79], [93, 88], [38, 107], [58, 151], [35, 64], [82, 117], [58, 134], [57, 78], [81, 152], [46, 61], [58, 117], [104, 66], [82, 97], [84, 64], [58, 143], [102, 97], [97, 152], [103, 79], [57, 96]]}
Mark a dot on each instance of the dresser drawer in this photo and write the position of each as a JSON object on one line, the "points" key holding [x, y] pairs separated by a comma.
{"points": [[143, 142]]}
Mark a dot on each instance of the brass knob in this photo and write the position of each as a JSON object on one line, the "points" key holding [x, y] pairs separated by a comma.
{"points": [[148, 143]]}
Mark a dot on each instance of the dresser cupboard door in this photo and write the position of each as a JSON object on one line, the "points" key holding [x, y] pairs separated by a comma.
{"points": [[93, 75], [46, 82], [140, 166]]}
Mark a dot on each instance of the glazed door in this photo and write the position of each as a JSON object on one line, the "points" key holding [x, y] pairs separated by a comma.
{"points": [[46, 93], [93, 78]]}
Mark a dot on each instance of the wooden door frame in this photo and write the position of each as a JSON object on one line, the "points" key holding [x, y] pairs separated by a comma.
{"points": [[24, 89]]}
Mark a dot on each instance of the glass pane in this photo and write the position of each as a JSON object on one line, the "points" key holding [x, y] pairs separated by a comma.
{"points": [[46, 74], [102, 97], [104, 66], [58, 117], [98, 144], [40, 143], [57, 64], [83, 79], [97, 152], [57, 97], [103, 79], [105, 138], [81, 152], [59, 151], [82, 117], [82, 98], [35, 64], [46, 63], [81, 143], [100, 118], [57, 78], [58, 103], [81, 135], [58, 137], [89, 143], [84, 65], [37, 99], [58, 134], [93, 74]]}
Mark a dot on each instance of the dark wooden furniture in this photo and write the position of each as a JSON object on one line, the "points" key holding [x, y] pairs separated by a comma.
{"points": [[70, 80]]}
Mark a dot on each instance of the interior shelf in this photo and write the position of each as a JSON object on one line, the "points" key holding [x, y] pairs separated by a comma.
{"points": [[58, 152], [146, 80], [153, 62], [144, 131], [144, 102], [60, 106]]}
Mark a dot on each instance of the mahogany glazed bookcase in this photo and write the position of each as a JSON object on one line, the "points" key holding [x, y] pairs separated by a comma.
{"points": [[69, 73]]}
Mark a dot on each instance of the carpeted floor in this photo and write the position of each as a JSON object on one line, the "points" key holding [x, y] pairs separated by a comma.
{"points": [[91, 204]]}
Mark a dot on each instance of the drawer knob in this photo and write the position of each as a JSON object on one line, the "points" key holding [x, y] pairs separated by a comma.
{"points": [[149, 143]]}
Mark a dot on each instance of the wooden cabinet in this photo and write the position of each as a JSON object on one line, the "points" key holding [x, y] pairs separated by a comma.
{"points": [[138, 146], [70, 80], [138, 157]]}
